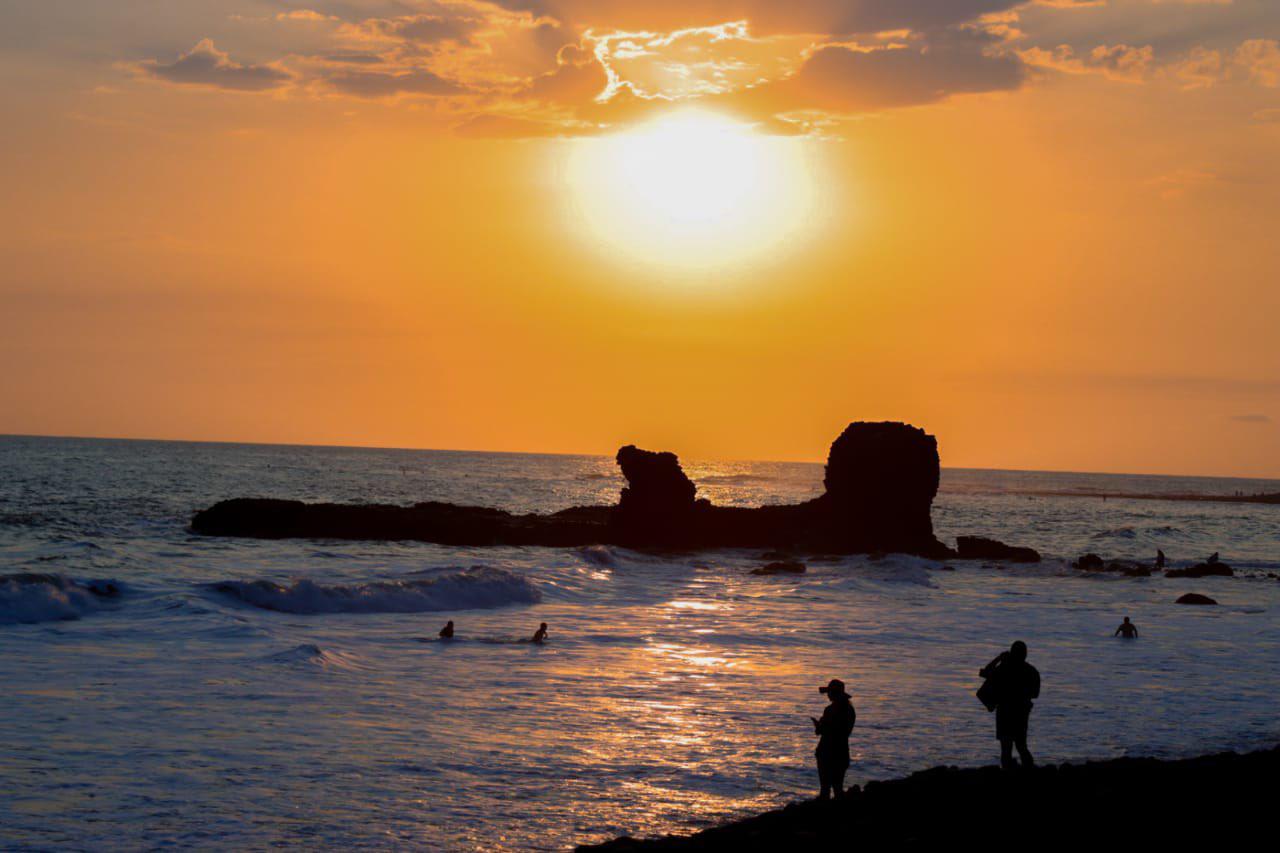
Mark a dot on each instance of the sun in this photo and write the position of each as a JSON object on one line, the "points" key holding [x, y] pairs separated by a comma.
{"points": [[692, 190]]}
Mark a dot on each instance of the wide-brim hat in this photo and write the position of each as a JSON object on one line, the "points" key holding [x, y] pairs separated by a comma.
{"points": [[835, 689]]}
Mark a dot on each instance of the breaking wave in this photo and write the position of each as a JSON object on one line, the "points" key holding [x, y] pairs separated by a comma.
{"points": [[598, 555], [30, 598], [480, 587], [309, 654]]}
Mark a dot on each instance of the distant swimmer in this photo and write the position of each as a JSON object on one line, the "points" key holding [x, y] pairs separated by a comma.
{"points": [[1213, 559], [833, 732], [540, 635], [1159, 560], [446, 633], [1127, 629]]}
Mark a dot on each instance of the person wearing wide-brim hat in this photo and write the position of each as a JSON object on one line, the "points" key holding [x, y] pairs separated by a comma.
{"points": [[833, 732]]}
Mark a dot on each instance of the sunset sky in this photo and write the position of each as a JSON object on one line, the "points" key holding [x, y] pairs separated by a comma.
{"points": [[1048, 232]]}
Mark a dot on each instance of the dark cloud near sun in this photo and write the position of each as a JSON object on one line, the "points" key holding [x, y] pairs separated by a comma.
{"points": [[836, 18], [205, 65], [554, 67], [845, 80]]}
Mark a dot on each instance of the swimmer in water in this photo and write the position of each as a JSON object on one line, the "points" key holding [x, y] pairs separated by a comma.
{"points": [[1127, 629], [540, 635], [446, 633]]}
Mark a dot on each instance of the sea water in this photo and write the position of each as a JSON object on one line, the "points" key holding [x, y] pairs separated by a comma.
{"points": [[240, 694]]}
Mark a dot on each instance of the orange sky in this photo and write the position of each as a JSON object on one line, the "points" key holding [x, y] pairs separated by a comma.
{"points": [[1043, 231]]}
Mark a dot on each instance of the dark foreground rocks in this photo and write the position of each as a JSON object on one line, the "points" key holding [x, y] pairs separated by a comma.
{"points": [[980, 548], [881, 479], [1202, 570], [1215, 801], [1195, 598]]}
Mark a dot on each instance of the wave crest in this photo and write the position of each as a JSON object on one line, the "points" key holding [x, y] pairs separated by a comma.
{"points": [[480, 587], [30, 598]]}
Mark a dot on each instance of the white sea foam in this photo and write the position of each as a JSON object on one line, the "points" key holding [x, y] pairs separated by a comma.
{"points": [[480, 587], [30, 598]]}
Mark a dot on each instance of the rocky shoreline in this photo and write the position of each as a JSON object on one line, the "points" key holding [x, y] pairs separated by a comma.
{"points": [[1218, 799]]}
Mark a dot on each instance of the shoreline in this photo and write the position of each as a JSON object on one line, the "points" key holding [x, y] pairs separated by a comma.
{"points": [[1220, 797]]}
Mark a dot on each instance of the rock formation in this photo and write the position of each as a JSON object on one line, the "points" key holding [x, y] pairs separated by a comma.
{"points": [[1194, 598], [881, 479], [657, 505], [980, 548]]}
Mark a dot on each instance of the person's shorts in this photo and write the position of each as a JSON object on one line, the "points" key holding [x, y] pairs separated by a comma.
{"points": [[1011, 723]]}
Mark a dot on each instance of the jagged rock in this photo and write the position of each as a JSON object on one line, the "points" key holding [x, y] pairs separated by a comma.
{"points": [[657, 505], [1202, 570], [782, 567], [1195, 598], [881, 479], [980, 548], [1090, 563]]}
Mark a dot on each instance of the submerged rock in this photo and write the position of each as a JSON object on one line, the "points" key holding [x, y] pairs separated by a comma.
{"points": [[1202, 570], [1090, 563], [1195, 598], [782, 567], [980, 548]]}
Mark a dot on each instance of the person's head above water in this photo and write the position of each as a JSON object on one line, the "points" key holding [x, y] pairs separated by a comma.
{"points": [[1126, 620], [834, 690], [543, 626], [1018, 651]]}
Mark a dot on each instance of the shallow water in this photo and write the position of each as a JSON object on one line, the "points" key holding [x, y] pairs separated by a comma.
{"points": [[202, 708]]}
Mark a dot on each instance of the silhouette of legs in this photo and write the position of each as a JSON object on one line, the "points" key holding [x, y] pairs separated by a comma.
{"points": [[1024, 754], [831, 778], [1006, 754]]}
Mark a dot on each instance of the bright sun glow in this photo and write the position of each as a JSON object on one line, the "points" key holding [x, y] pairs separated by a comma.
{"points": [[693, 190]]}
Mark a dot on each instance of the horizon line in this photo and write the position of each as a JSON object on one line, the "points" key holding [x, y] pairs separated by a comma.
{"points": [[596, 455]]}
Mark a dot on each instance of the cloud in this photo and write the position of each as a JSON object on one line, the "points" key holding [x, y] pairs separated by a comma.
{"points": [[1251, 419], [205, 65], [1261, 60], [768, 17], [850, 79], [391, 84], [490, 126], [1117, 62], [1200, 69]]}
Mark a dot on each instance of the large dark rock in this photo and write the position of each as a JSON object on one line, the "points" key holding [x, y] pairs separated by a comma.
{"points": [[881, 479], [1202, 570], [981, 548], [1194, 598], [657, 505]]}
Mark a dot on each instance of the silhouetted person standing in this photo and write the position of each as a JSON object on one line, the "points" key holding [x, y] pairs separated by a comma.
{"points": [[446, 633], [1159, 560], [833, 732], [540, 635], [1127, 629], [1011, 685]]}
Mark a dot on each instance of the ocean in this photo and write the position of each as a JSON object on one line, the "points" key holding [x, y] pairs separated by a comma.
{"points": [[242, 694]]}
